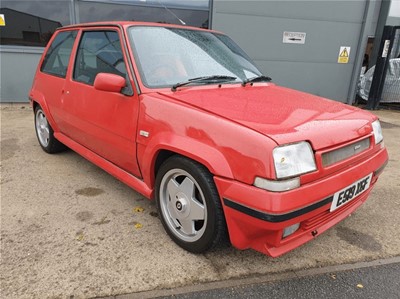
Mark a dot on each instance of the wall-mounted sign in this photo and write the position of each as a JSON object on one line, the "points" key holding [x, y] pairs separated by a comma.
{"points": [[2, 20], [385, 48], [294, 37], [344, 54]]}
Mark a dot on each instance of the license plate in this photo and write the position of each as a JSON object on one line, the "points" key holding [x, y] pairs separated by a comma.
{"points": [[350, 192]]}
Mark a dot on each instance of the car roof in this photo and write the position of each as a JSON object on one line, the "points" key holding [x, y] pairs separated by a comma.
{"points": [[126, 24]]}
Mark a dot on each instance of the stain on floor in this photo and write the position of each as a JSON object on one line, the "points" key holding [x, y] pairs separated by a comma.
{"points": [[102, 221], [8, 148], [359, 239], [84, 216], [386, 125], [89, 191]]}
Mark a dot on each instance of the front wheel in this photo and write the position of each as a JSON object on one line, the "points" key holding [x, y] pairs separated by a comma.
{"points": [[189, 204], [45, 133]]}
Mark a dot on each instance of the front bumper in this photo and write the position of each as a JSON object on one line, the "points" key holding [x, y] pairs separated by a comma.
{"points": [[256, 218]]}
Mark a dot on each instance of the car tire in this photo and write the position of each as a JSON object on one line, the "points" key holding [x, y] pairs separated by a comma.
{"points": [[189, 205], [45, 133]]}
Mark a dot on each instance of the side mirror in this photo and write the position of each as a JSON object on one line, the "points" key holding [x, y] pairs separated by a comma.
{"points": [[109, 82]]}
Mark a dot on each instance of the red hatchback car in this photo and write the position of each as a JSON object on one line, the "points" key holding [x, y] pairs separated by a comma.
{"points": [[183, 116]]}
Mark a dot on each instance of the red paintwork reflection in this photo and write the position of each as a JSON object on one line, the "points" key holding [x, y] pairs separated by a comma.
{"points": [[283, 114]]}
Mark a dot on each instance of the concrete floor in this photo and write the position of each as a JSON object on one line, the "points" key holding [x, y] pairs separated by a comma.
{"points": [[70, 229]]}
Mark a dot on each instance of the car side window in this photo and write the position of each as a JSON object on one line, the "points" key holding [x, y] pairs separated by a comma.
{"points": [[58, 54], [98, 52]]}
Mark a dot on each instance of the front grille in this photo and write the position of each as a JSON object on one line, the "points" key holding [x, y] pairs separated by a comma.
{"points": [[345, 152], [327, 216]]}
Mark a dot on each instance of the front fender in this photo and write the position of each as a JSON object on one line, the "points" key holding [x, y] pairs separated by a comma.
{"points": [[227, 149], [204, 154]]}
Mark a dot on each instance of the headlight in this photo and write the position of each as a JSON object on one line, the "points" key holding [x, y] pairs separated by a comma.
{"points": [[293, 159], [376, 126]]}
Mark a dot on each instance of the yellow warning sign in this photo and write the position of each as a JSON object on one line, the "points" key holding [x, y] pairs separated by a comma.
{"points": [[2, 20], [344, 54]]}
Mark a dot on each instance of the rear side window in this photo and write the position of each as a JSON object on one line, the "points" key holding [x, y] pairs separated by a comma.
{"points": [[99, 52], [57, 57]]}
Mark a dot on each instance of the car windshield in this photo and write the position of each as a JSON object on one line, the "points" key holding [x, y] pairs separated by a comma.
{"points": [[168, 56]]}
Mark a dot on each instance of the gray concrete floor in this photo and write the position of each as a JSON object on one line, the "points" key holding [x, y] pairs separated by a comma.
{"points": [[70, 229]]}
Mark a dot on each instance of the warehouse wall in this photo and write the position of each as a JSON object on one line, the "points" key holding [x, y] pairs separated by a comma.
{"points": [[258, 26], [18, 68], [29, 25], [394, 14]]}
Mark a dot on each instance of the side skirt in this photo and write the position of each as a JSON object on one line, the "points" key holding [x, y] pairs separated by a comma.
{"points": [[130, 180]]}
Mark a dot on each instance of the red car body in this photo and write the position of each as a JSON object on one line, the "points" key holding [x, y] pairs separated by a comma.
{"points": [[230, 129]]}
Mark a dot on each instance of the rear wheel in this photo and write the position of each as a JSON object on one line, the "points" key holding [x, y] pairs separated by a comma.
{"points": [[45, 133], [189, 204]]}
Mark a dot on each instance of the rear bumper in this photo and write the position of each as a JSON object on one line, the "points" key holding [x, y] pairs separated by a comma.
{"points": [[256, 218]]}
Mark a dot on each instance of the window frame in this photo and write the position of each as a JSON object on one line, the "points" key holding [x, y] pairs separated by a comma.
{"points": [[98, 29], [46, 53]]}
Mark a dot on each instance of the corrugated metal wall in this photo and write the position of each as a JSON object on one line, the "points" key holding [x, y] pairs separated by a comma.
{"points": [[18, 68], [258, 26]]}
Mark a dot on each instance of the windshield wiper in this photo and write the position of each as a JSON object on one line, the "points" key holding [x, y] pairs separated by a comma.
{"points": [[256, 79], [204, 79]]}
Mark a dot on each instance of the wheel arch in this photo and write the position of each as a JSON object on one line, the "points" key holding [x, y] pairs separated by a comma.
{"points": [[165, 154], [209, 157], [212, 159], [37, 99]]}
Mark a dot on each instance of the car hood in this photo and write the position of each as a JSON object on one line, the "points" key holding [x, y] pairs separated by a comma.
{"points": [[283, 114]]}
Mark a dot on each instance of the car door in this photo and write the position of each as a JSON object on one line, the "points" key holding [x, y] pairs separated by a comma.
{"points": [[53, 71], [104, 122]]}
